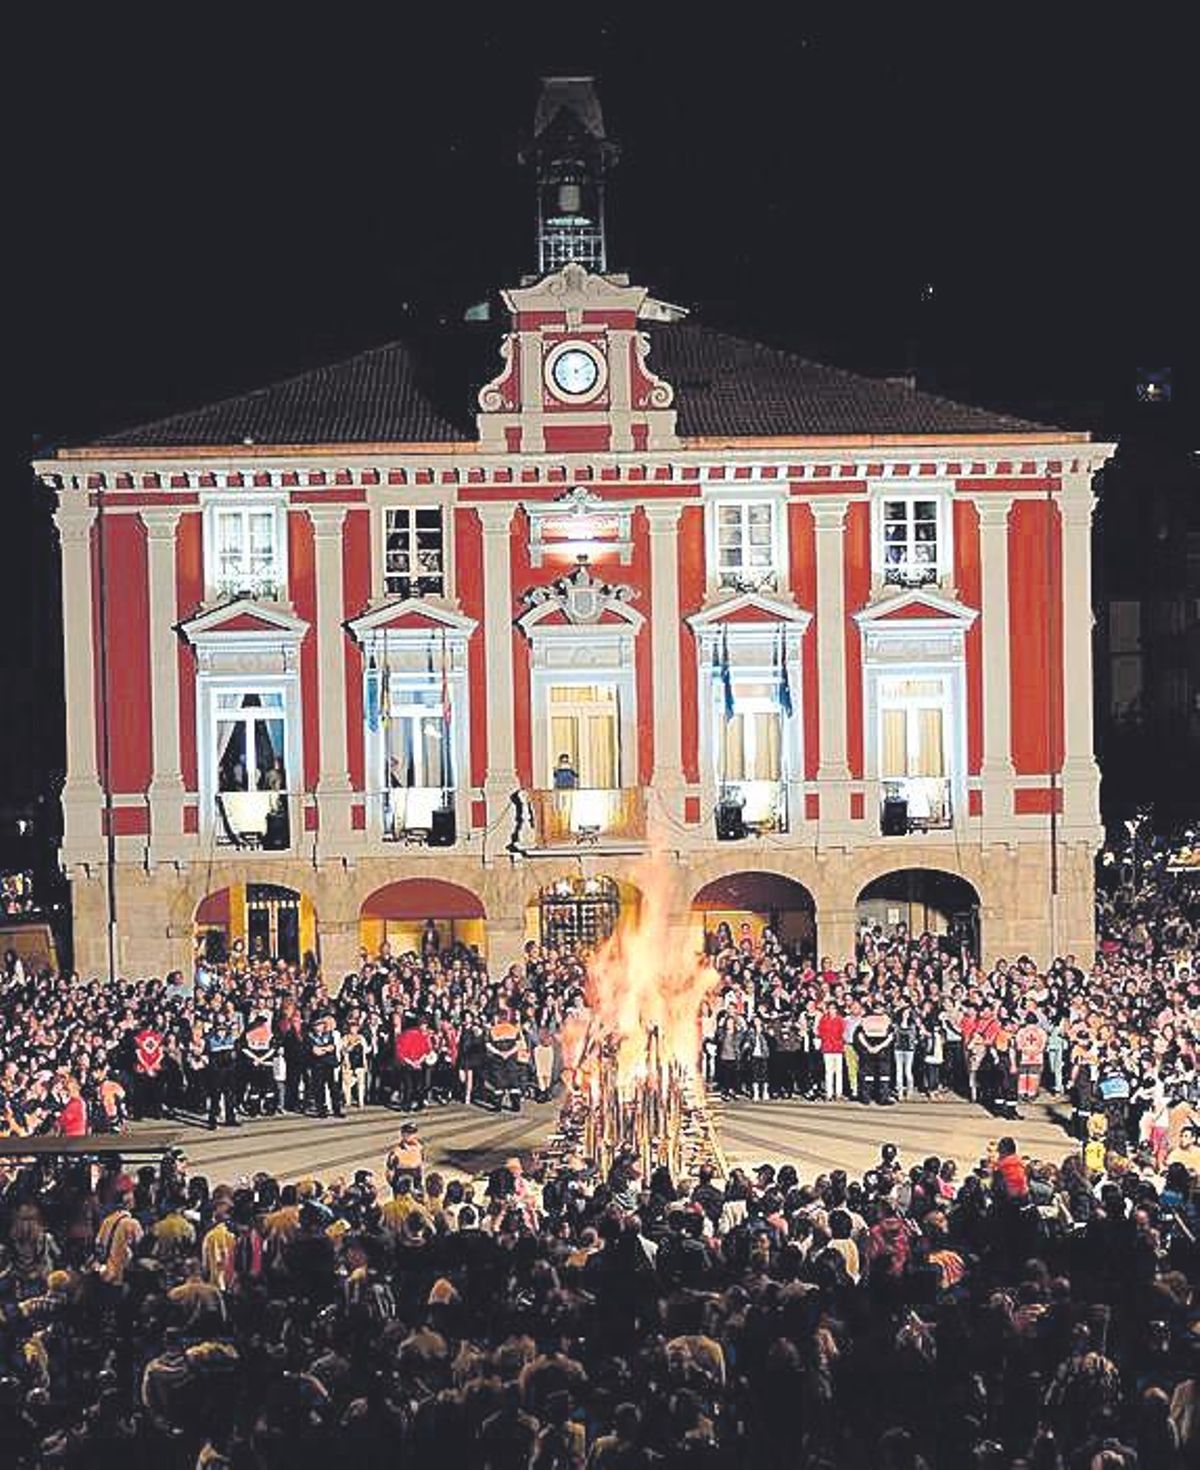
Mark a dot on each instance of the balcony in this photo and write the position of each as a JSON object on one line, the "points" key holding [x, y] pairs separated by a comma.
{"points": [[262, 586], [255, 821], [915, 804], [419, 816], [588, 816], [752, 808]]}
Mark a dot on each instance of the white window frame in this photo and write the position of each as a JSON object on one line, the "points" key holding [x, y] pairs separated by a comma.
{"points": [[246, 504], [578, 709], [759, 495], [938, 495], [952, 675], [379, 558], [208, 686]]}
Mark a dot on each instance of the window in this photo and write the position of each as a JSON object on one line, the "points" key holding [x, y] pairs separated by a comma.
{"points": [[584, 726], [246, 551], [752, 737], [250, 767], [912, 542], [414, 560], [913, 741], [747, 557], [417, 744]]}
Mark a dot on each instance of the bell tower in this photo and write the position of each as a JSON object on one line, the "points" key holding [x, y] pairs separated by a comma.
{"points": [[570, 155]]}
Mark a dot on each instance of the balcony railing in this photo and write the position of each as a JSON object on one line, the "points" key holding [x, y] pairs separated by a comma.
{"points": [[586, 815], [915, 804], [263, 586], [419, 815], [254, 820], [762, 804]]}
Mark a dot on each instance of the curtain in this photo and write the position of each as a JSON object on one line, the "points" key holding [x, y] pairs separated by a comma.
{"points": [[735, 749], [564, 739], [929, 743], [894, 755], [600, 761], [764, 758]]}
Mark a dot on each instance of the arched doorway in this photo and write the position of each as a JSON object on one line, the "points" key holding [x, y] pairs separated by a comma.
{"points": [[578, 912], [399, 913], [751, 902], [261, 920], [925, 901]]}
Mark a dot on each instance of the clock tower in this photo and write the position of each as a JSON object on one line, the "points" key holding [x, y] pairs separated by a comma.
{"points": [[575, 378], [570, 154]]}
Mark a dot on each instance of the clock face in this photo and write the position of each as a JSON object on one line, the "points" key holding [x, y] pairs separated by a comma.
{"points": [[574, 371]]}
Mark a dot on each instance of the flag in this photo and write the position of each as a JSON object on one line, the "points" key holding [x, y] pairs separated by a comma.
{"points": [[372, 695], [726, 676], [784, 694], [385, 690]]}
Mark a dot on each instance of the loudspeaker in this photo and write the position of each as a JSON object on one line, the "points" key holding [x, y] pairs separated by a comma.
{"points": [[730, 826], [443, 828], [894, 820]]}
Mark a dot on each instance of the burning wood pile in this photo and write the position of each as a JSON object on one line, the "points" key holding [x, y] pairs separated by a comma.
{"points": [[635, 1089]]}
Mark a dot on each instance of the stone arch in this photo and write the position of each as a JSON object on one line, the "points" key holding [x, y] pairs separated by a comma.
{"points": [[923, 899], [262, 920], [583, 908], [398, 914], [754, 899]]}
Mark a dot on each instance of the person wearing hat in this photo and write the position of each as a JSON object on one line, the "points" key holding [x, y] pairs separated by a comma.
{"points": [[257, 1066], [406, 1159], [220, 1047]]}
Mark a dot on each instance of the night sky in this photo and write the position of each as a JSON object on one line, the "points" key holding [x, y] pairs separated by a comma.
{"points": [[997, 197]]}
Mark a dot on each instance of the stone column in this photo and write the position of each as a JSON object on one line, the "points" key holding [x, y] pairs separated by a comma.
{"points": [[496, 520], [82, 798], [663, 520], [1080, 773], [833, 771], [996, 774], [166, 786], [334, 792]]}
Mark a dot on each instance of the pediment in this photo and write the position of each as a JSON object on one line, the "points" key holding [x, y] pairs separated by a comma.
{"points": [[244, 617], [916, 606], [575, 290], [577, 601], [411, 616], [749, 608]]}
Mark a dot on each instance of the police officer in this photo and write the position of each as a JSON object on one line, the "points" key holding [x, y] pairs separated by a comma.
{"points": [[323, 1059]]}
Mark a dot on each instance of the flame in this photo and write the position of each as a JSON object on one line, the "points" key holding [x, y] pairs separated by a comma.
{"points": [[645, 993]]}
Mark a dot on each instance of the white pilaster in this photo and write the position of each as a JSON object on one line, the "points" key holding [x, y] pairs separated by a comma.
{"points": [[496, 520], [166, 785], [663, 520], [334, 792], [82, 799], [1080, 773], [833, 771], [996, 772]]}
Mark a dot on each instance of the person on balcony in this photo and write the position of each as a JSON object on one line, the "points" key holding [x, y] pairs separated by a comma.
{"points": [[566, 778]]}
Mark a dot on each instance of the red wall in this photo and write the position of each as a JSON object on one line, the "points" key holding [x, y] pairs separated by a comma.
{"points": [[1035, 613], [802, 558], [857, 547], [691, 598], [637, 576], [468, 577], [356, 593], [303, 588], [968, 580], [189, 594], [127, 620]]}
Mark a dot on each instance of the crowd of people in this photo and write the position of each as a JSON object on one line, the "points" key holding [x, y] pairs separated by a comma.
{"points": [[1026, 1315]]}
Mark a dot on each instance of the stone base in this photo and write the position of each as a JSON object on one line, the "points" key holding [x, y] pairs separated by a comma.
{"points": [[1019, 912]]}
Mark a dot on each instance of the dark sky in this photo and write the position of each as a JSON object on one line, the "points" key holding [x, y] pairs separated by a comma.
{"points": [[1001, 196]]}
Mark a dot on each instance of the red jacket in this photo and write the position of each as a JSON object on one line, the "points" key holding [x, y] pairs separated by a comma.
{"points": [[413, 1045], [831, 1030], [72, 1121]]}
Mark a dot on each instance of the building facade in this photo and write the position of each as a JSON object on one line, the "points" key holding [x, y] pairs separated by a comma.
{"points": [[339, 660]]}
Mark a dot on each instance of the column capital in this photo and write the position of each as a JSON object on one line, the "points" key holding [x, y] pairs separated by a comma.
{"points": [[495, 516], [1076, 506], [662, 516], [160, 521], [829, 512], [327, 519], [993, 511], [74, 517]]}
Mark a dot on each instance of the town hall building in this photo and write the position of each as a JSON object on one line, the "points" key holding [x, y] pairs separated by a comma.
{"points": [[343, 657]]}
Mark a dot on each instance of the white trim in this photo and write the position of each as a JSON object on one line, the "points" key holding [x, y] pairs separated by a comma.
{"points": [[395, 497], [941, 494], [614, 666], [213, 502], [208, 685], [744, 495]]}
